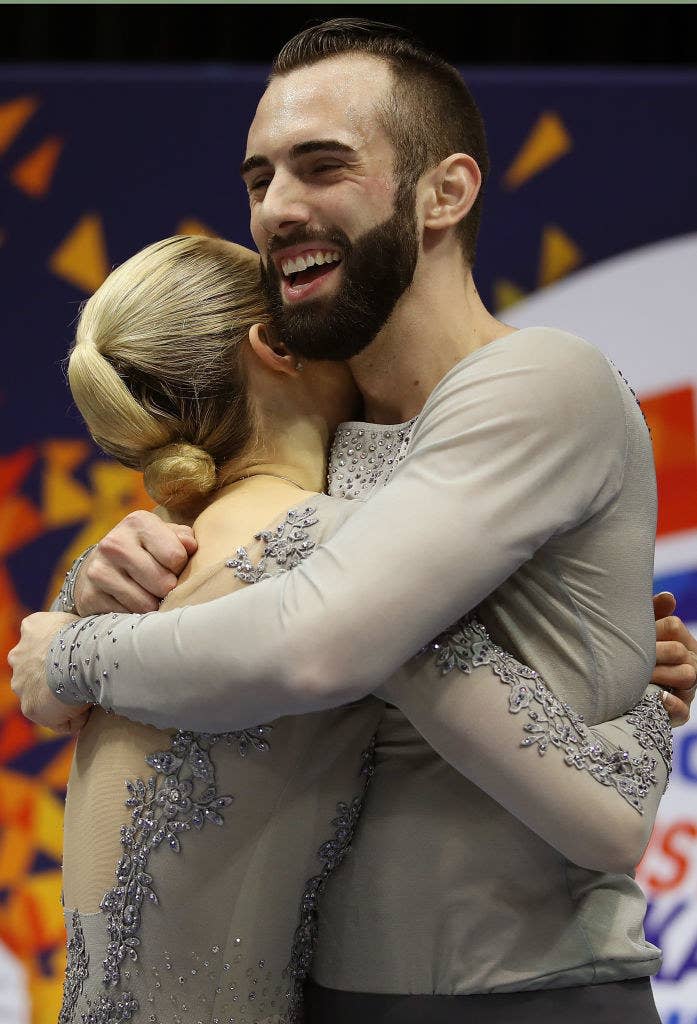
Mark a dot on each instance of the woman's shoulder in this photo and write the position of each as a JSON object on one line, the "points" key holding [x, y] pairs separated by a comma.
{"points": [[228, 525]]}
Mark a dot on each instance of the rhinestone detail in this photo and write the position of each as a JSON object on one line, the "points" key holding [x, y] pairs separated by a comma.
{"points": [[364, 456]]}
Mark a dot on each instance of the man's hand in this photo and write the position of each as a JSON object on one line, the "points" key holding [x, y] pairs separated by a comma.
{"points": [[28, 663], [135, 566], [676, 660]]}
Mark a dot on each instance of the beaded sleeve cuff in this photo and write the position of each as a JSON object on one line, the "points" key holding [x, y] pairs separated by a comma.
{"points": [[66, 597]]}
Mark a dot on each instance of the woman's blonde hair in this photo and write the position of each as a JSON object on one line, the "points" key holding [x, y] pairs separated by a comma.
{"points": [[157, 369]]}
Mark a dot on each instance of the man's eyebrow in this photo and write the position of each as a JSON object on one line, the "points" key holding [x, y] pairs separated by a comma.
{"points": [[318, 145], [252, 162], [302, 149]]}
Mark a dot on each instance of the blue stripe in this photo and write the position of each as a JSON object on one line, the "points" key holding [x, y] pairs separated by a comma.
{"points": [[684, 586]]}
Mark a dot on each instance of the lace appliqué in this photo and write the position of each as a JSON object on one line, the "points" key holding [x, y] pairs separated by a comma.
{"points": [[551, 721], [287, 546], [181, 796], [332, 854], [76, 972], [652, 728]]}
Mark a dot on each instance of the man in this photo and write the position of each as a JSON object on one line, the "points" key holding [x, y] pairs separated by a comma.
{"points": [[525, 484]]}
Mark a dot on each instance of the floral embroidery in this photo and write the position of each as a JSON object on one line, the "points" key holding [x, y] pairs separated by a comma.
{"points": [[76, 972], [551, 721], [182, 796], [332, 853], [652, 727], [287, 546]]}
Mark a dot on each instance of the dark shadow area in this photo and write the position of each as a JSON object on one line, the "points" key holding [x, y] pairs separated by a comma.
{"points": [[477, 34]]}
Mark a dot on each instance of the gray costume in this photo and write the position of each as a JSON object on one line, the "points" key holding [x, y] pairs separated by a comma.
{"points": [[536, 446]]}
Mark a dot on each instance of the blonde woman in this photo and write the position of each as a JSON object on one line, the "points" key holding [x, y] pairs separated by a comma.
{"points": [[194, 860]]}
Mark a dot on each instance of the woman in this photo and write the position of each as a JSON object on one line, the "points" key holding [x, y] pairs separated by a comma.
{"points": [[182, 905]]}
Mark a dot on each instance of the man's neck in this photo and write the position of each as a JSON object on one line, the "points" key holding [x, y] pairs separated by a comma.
{"points": [[435, 324]]}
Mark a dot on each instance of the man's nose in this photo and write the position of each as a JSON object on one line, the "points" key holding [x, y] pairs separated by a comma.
{"points": [[284, 205]]}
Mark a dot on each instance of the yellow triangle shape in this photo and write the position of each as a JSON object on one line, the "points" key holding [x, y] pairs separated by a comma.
{"points": [[13, 117], [65, 500], [559, 256], [191, 226], [506, 294], [548, 141], [34, 173], [81, 259]]}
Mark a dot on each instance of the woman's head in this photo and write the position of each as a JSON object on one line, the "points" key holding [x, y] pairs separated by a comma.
{"points": [[158, 365]]}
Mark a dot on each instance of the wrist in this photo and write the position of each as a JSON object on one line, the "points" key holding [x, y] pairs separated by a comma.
{"points": [[67, 593]]}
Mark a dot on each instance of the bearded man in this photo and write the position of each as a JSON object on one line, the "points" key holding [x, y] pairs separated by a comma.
{"points": [[508, 471]]}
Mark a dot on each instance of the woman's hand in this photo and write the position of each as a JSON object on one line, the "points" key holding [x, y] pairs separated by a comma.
{"points": [[676, 660]]}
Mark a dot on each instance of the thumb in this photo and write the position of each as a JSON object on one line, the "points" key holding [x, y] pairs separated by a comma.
{"points": [[186, 535], [663, 604]]}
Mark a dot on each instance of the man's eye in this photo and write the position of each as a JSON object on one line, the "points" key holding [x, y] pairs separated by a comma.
{"points": [[259, 183], [326, 167]]}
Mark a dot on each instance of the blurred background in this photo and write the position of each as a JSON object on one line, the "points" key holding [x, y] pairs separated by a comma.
{"points": [[120, 125]]}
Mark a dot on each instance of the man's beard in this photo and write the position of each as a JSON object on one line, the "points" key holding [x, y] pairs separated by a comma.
{"points": [[377, 269]]}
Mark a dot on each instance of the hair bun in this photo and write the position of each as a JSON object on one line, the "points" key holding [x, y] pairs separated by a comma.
{"points": [[179, 475]]}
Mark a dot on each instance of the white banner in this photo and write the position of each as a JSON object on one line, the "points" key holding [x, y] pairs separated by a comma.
{"points": [[639, 308]]}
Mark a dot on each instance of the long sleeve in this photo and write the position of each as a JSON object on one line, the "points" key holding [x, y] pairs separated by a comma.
{"points": [[591, 792], [523, 440]]}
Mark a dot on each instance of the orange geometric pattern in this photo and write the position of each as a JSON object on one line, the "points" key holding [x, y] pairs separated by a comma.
{"points": [[13, 116], [34, 763], [671, 417], [558, 256], [81, 258], [34, 173], [547, 142]]}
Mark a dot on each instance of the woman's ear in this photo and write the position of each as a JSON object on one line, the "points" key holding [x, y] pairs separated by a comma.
{"points": [[271, 351]]}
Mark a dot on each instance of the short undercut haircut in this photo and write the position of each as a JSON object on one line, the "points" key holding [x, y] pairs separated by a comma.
{"points": [[430, 112]]}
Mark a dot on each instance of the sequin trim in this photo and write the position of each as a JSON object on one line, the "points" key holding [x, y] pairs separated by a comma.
{"points": [[76, 971], [331, 853], [551, 721], [364, 456], [285, 547], [110, 1011]]}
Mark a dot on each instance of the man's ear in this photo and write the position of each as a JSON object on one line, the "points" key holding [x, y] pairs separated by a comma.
{"points": [[271, 351], [453, 187]]}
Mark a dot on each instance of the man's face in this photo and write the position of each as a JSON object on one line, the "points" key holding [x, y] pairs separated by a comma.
{"points": [[338, 238]]}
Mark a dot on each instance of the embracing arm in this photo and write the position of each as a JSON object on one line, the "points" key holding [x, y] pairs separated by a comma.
{"points": [[523, 441], [591, 792]]}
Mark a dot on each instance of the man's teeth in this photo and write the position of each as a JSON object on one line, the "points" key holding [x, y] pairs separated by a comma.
{"points": [[300, 263]]}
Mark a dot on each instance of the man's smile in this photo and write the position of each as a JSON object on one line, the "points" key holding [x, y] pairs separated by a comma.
{"points": [[304, 269]]}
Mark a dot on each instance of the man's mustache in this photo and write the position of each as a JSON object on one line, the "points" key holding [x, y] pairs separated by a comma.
{"points": [[332, 236]]}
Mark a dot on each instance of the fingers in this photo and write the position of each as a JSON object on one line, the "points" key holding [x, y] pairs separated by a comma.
{"points": [[677, 677], [663, 604], [116, 580], [671, 627], [74, 724], [163, 541], [678, 711], [186, 535]]}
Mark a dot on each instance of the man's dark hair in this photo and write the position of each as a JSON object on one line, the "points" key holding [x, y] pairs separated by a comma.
{"points": [[430, 112]]}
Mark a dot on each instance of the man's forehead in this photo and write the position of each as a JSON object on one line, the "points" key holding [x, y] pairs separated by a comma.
{"points": [[334, 98]]}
